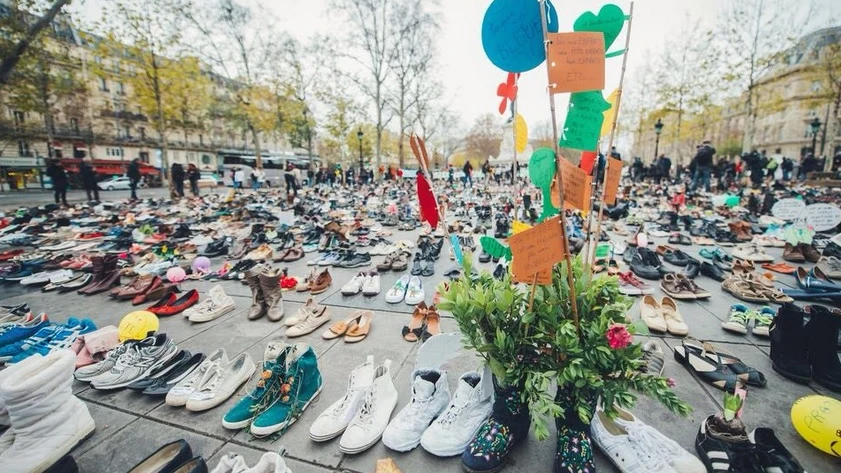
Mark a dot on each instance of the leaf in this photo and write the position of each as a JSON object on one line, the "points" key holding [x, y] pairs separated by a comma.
{"points": [[496, 368]]}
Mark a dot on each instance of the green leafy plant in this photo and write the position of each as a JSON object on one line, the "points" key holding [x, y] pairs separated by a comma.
{"points": [[536, 345]]}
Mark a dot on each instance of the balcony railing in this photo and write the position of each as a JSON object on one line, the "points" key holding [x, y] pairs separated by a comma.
{"points": [[122, 115], [9, 131]]}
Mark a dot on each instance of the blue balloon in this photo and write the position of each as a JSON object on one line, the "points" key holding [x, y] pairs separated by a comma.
{"points": [[512, 34]]}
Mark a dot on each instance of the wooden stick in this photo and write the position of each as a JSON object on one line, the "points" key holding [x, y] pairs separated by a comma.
{"points": [[613, 127], [559, 176], [533, 288], [594, 189], [514, 166]]}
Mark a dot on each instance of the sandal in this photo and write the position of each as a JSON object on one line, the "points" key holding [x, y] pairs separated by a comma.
{"points": [[741, 266], [359, 329], [708, 369], [415, 329], [341, 327], [779, 268], [743, 290], [746, 374], [433, 323]]}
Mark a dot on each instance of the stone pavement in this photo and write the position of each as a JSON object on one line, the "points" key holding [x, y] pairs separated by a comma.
{"points": [[11, 200], [129, 425]]}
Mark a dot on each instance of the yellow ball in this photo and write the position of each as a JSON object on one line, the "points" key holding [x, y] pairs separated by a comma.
{"points": [[138, 325], [818, 420]]}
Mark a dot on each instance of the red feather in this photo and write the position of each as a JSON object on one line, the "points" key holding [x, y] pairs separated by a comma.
{"points": [[428, 204]]}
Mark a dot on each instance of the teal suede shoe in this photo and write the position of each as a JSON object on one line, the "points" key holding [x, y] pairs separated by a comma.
{"points": [[300, 385], [259, 399]]}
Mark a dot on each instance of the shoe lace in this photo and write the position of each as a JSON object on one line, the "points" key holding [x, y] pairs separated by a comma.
{"points": [[742, 318], [343, 403], [365, 415], [649, 444], [761, 319], [452, 413]]}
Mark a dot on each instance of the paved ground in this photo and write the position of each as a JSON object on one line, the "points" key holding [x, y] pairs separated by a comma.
{"points": [[130, 425], [10, 200]]}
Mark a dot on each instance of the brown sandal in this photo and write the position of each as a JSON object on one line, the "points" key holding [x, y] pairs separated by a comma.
{"points": [[743, 290], [433, 323], [413, 331], [360, 327]]}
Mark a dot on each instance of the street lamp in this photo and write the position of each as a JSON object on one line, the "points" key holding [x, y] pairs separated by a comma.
{"points": [[815, 125], [359, 136], [658, 128]]}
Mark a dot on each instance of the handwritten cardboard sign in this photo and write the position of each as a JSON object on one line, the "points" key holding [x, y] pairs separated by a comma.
{"points": [[584, 121], [788, 209], [536, 251], [576, 62], [823, 217], [576, 186], [614, 173]]}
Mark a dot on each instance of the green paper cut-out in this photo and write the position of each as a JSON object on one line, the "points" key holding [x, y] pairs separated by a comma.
{"points": [[610, 21], [495, 248], [615, 54], [583, 123], [541, 173]]}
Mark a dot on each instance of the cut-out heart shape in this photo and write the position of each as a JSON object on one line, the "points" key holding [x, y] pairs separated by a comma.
{"points": [[610, 21], [426, 199]]}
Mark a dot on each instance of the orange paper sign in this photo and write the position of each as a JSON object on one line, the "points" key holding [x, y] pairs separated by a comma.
{"points": [[614, 173], [536, 251], [576, 62], [576, 186]]}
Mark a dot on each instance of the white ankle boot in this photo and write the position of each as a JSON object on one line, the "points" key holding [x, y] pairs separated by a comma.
{"points": [[48, 421], [8, 436]]}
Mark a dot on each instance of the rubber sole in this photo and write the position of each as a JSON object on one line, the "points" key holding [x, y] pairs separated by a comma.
{"points": [[268, 430], [81, 435]]}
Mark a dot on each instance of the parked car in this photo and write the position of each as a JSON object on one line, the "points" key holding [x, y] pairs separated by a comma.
{"points": [[118, 183], [208, 180]]}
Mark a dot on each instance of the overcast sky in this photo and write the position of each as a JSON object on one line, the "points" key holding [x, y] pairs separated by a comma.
{"points": [[471, 79]]}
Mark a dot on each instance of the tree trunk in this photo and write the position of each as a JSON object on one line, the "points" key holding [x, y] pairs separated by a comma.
{"points": [[400, 149], [257, 153], [9, 63], [379, 143]]}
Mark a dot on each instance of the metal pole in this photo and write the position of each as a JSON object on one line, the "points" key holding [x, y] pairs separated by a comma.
{"points": [[559, 177], [656, 147], [613, 127], [514, 133]]}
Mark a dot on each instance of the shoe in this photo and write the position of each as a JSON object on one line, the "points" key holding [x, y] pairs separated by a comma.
{"points": [[166, 459], [49, 336], [790, 344], [414, 292], [354, 286], [22, 331], [508, 426], [220, 384], [629, 454], [46, 277], [214, 306], [725, 452], [642, 264], [64, 337], [322, 282], [830, 266], [674, 322], [48, 421], [809, 252], [712, 271], [181, 392], [273, 368], [176, 306], [740, 317], [793, 253], [398, 292], [775, 456], [65, 465], [822, 331], [301, 384], [137, 362], [335, 419], [309, 321], [629, 285], [162, 383], [651, 313], [468, 411], [654, 359], [86, 373], [676, 287], [430, 397], [355, 260], [270, 462], [668, 451], [366, 428], [272, 293], [762, 321], [258, 302], [371, 286]]}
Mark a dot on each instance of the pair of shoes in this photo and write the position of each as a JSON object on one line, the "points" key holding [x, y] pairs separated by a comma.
{"points": [[726, 446], [270, 462], [396, 261], [320, 282], [355, 328], [167, 375], [137, 286], [716, 367], [170, 304], [406, 289], [289, 382], [210, 384], [311, 316], [174, 457], [266, 294], [362, 414], [425, 323], [106, 275], [441, 425], [741, 316], [631, 286], [800, 253], [46, 420], [663, 316], [682, 287], [807, 352], [130, 362], [217, 304], [367, 283]]}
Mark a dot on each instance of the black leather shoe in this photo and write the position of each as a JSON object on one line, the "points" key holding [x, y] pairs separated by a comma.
{"points": [[676, 257], [642, 266], [692, 269], [712, 271], [167, 459]]}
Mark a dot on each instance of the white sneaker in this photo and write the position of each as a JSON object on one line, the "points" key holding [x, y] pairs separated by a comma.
{"points": [[310, 306], [629, 455], [414, 294], [366, 428], [216, 305], [382, 249], [371, 286], [430, 396], [44, 277], [181, 392], [335, 419], [309, 323], [353, 286], [220, 383], [270, 462], [450, 434], [398, 292], [667, 449]]}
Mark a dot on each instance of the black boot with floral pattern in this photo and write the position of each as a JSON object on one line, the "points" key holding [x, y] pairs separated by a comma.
{"points": [[508, 425], [575, 446]]}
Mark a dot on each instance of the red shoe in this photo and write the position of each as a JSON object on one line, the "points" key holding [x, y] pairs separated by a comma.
{"points": [[174, 306], [89, 236], [7, 255]]}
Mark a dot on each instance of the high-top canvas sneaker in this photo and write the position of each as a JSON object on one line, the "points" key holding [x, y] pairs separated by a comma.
{"points": [[508, 424], [366, 428], [430, 396], [449, 435], [274, 366], [628, 453], [335, 419], [299, 386], [270, 462]]}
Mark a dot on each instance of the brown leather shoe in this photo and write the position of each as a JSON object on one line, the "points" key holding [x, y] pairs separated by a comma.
{"points": [[809, 252], [321, 283], [793, 253], [741, 230], [139, 285]]}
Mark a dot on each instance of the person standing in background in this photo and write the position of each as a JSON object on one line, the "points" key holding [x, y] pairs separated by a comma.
{"points": [[239, 178], [133, 174], [468, 174], [88, 175], [177, 175], [193, 176], [59, 178], [297, 180]]}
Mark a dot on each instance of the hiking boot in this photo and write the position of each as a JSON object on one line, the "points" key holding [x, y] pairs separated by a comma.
{"points": [[789, 344], [508, 425], [822, 334]]}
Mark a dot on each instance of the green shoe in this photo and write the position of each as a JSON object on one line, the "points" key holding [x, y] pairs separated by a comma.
{"points": [[300, 384], [244, 411]]}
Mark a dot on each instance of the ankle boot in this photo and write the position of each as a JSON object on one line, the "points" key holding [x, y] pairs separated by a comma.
{"points": [[110, 277], [8, 436], [508, 425], [575, 445], [258, 303], [822, 333], [98, 271], [272, 295], [789, 344], [48, 421]]}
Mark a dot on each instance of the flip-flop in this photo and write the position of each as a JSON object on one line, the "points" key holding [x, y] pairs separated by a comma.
{"points": [[780, 268]]}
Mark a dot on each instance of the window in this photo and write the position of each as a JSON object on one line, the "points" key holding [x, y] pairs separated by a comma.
{"points": [[19, 118], [201, 140], [127, 131], [144, 156], [191, 157], [23, 148], [121, 89], [74, 125], [103, 84], [816, 86], [57, 154], [142, 131], [114, 152]]}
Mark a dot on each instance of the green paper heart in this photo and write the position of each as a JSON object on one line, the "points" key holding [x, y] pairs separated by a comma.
{"points": [[610, 21]]}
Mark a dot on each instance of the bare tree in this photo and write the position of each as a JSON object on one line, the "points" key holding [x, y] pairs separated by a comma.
{"points": [[15, 52], [482, 142]]}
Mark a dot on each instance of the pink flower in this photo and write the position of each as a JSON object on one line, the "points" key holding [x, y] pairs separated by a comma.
{"points": [[618, 336], [671, 382]]}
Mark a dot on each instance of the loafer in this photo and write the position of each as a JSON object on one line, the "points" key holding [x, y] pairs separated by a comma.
{"points": [[166, 459], [712, 271]]}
